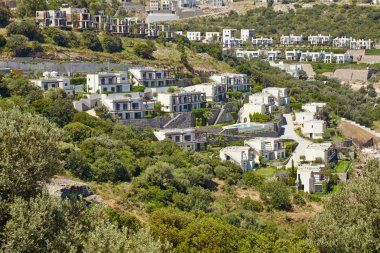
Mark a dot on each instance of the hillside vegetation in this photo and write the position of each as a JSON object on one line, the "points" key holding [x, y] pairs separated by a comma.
{"points": [[336, 20]]}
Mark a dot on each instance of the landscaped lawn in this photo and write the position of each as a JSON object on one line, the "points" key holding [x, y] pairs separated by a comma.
{"points": [[342, 166], [267, 171]]}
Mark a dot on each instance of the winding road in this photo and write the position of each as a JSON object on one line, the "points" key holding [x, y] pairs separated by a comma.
{"points": [[289, 133]]}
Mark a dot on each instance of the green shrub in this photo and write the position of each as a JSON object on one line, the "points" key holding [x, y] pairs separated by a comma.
{"points": [[91, 41], [27, 28], [298, 199], [19, 46], [112, 44], [3, 41], [252, 205]]}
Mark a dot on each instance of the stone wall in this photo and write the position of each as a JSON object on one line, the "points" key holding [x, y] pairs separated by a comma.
{"points": [[157, 122]]}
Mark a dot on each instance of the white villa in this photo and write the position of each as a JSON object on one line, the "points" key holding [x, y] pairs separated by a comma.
{"points": [[280, 95], [194, 36], [311, 177], [273, 55], [313, 107], [293, 55], [262, 98], [342, 42], [215, 92], [313, 129], [51, 80], [319, 39], [312, 56], [244, 156], [181, 101], [361, 44], [190, 138], [230, 39], [324, 151], [151, 77], [302, 117], [247, 34], [331, 57], [249, 109], [262, 41], [268, 148], [248, 53], [104, 82], [212, 36], [234, 82], [291, 39], [123, 105]]}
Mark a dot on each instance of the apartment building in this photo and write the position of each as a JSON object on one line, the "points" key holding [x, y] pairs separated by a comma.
{"points": [[293, 55], [215, 92], [51, 80], [51, 18], [248, 54], [262, 41], [313, 129], [313, 107], [234, 82], [310, 178], [319, 40], [268, 148], [78, 18], [337, 58], [181, 101], [291, 39], [361, 44], [312, 56], [280, 95], [212, 37], [230, 39], [191, 138], [325, 152], [342, 42], [194, 36], [247, 34], [106, 82], [291, 69], [151, 77], [244, 156]]}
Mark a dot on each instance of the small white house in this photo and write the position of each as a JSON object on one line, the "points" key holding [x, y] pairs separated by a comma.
{"points": [[105, 82], [190, 138], [215, 92], [314, 129], [244, 156], [181, 101], [51, 80], [268, 148], [310, 178], [212, 37], [361, 44], [313, 107], [302, 117], [273, 55], [324, 151], [194, 36]]}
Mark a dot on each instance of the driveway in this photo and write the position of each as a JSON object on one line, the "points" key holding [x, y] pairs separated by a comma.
{"points": [[289, 133]]}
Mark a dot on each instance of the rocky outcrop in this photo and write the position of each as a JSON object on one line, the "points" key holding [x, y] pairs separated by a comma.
{"points": [[70, 189]]}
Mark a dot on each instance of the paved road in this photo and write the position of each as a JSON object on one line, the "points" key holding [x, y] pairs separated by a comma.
{"points": [[289, 133]]}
